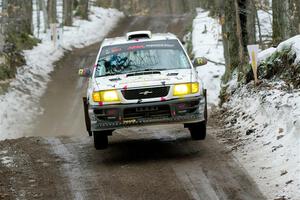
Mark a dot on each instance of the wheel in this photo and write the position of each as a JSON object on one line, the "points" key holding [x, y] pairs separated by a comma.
{"points": [[101, 139], [198, 130]]}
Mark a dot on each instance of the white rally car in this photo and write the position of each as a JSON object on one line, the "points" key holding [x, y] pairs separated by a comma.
{"points": [[143, 79]]}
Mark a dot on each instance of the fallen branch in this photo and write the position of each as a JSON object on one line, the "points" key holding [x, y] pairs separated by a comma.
{"points": [[217, 63]]}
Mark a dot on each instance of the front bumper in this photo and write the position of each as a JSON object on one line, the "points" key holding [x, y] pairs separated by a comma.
{"points": [[187, 110]]}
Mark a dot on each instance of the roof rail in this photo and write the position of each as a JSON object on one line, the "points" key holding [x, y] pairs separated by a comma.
{"points": [[138, 35]]}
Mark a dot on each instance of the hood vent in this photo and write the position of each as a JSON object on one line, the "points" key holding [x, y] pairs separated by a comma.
{"points": [[172, 74], [115, 79], [142, 73]]}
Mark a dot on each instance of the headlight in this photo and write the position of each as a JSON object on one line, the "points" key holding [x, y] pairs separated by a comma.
{"points": [[106, 96], [185, 89]]}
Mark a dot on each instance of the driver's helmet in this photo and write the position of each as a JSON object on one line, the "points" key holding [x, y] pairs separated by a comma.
{"points": [[113, 60]]}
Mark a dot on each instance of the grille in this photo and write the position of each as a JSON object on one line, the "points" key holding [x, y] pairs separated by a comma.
{"points": [[146, 93]]}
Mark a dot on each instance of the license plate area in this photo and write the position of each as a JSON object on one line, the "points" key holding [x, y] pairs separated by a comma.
{"points": [[146, 109]]}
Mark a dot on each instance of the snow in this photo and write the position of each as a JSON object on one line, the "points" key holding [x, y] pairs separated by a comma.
{"points": [[19, 106], [7, 161], [263, 55], [268, 128], [294, 44], [207, 43], [274, 146]]}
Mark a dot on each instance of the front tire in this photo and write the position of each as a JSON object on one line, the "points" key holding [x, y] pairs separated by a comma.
{"points": [[198, 130], [101, 139], [86, 116]]}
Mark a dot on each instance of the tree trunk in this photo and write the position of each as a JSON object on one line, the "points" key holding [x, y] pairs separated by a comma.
{"points": [[83, 8], [116, 4], [241, 31], [37, 3], [17, 26], [281, 22], [294, 15], [67, 12], [238, 28], [45, 15], [51, 10], [19, 14], [251, 19], [230, 41]]}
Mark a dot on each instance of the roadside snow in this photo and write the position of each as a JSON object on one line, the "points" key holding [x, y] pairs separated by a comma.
{"points": [[266, 123], [263, 55], [7, 161], [294, 44], [19, 105], [207, 43]]}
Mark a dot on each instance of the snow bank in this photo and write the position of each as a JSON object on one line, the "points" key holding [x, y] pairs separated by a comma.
{"points": [[19, 105], [263, 55], [266, 123], [294, 44], [207, 42]]}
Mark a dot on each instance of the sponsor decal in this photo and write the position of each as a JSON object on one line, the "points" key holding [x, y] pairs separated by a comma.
{"points": [[136, 47], [114, 50]]}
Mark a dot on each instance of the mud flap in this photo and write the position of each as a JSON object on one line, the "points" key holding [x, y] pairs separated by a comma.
{"points": [[86, 116], [205, 108]]}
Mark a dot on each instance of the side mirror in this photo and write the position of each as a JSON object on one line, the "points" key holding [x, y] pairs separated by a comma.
{"points": [[85, 72], [199, 61]]}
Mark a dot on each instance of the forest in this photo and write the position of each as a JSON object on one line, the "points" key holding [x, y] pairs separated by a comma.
{"points": [[239, 20]]}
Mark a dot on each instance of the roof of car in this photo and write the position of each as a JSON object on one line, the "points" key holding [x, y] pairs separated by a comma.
{"points": [[124, 40]]}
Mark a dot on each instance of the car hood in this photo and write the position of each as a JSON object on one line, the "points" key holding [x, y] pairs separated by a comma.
{"points": [[146, 79]]}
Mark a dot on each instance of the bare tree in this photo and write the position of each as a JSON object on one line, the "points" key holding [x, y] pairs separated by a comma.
{"points": [[294, 15], [238, 29], [83, 8], [17, 25], [51, 10], [251, 21], [45, 15], [67, 12], [230, 42], [37, 3], [280, 21], [19, 15]]}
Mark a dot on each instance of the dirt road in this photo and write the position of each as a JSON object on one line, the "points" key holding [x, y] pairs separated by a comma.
{"points": [[159, 162]]}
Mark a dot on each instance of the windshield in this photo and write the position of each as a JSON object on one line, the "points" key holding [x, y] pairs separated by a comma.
{"points": [[142, 56]]}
